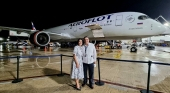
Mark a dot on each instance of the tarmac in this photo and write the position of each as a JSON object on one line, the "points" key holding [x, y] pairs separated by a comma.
{"points": [[40, 74]]}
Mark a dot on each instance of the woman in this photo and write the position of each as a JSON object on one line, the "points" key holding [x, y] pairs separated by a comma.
{"points": [[77, 64]]}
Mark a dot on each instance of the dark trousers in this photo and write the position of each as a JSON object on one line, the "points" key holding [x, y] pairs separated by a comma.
{"points": [[90, 68]]}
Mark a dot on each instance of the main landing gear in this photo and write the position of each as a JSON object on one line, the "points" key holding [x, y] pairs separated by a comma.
{"points": [[133, 49]]}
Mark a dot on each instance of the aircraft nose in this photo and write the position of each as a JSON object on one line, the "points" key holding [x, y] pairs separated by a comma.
{"points": [[167, 32], [159, 28]]}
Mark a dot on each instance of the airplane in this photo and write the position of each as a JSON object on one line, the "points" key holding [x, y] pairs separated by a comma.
{"points": [[113, 26]]}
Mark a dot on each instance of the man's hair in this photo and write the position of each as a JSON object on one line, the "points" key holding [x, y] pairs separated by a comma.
{"points": [[86, 37]]}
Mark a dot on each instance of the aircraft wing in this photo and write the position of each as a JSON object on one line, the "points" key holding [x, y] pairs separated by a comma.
{"points": [[29, 31], [18, 30], [60, 35], [96, 30]]}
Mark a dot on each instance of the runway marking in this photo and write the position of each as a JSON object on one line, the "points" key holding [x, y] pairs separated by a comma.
{"points": [[54, 62], [5, 82], [41, 66], [49, 62]]}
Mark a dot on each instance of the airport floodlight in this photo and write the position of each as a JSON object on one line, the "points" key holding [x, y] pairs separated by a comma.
{"points": [[1, 39], [166, 24]]}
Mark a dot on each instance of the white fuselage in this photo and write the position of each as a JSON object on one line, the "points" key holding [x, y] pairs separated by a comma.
{"points": [[124, 25]]}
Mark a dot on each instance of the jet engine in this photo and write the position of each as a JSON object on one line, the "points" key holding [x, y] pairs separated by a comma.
{"points": [[39, 38]]}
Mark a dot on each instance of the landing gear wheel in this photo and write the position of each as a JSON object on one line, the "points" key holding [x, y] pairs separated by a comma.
{"points": [[133, 49]]}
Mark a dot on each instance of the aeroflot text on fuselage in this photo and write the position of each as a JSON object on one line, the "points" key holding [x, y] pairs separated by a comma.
{"points": [[100, 18]]}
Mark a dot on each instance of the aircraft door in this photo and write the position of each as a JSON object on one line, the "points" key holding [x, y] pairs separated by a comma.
{"points": [[74, 29], [119, 19]]}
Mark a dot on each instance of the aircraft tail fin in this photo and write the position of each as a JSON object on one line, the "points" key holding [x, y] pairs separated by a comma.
{"points": [[33, 27]]}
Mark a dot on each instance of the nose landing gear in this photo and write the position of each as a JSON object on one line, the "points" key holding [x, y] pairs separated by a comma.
{"points": [[133, 49]]}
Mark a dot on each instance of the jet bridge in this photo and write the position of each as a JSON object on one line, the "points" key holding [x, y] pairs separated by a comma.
{"points": [[166, 23], [163, 21]]}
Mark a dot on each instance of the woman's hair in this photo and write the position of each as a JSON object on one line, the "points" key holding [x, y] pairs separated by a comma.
{"points": [[79, 40]]}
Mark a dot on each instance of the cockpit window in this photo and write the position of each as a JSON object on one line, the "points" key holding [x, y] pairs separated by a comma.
{"points": [[143, 17], [148, 17]]}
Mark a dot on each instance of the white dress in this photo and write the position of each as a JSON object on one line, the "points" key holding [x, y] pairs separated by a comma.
{"points": [[77, 73]]}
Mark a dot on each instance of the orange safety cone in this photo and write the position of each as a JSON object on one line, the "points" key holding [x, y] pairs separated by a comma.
{"points": [[50, 49], [100, 49], [96, 47], [24, 49], [45, 49]]}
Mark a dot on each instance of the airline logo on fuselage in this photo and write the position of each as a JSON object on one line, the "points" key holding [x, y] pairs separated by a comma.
{"points": [[96, 19], [130, 18]]}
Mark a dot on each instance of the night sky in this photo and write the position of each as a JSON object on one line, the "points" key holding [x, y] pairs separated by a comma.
{"points": [[50, 14]]}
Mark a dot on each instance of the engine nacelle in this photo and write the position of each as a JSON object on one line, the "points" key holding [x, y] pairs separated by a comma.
{"points": [[39, 38]]}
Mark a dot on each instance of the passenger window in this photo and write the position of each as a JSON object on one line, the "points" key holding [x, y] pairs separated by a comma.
{"points": [[143, 17]]}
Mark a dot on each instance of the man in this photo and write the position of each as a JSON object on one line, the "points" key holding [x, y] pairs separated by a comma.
{"points": [[89, 60]]}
